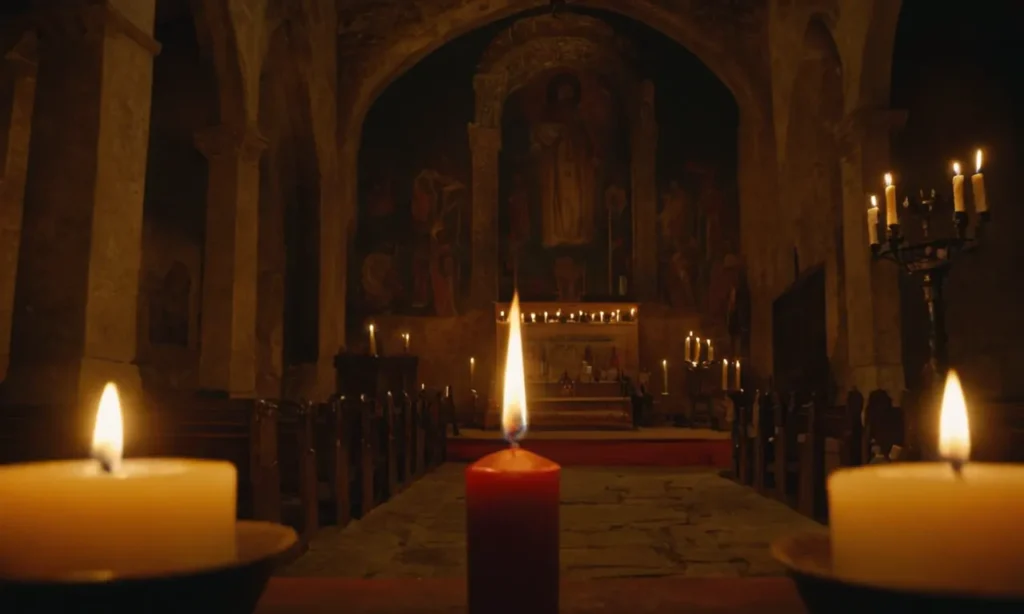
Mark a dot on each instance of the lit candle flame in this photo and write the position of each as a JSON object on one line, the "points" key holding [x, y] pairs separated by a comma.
{"points": [[108, 434], [888, 179], [954, 430], [371, 329], [874, 202], [977, 162], [513, 408], [956, 168]]}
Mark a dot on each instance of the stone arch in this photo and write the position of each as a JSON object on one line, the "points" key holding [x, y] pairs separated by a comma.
{"points": [[287, 318], [814, 182], [530, 47]]}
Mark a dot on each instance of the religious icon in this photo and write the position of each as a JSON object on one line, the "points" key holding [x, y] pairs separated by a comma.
{"points": [[566, 159]]}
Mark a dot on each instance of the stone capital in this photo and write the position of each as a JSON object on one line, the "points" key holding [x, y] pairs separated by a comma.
{"points": [[247, 144], [484, 140], [91, 19]]}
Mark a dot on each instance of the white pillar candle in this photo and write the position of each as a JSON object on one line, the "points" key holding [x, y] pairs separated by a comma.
{"points": [[664, 376], [472, 370], [926, 526], [890, 201], [873, 221], [711, 351], [144, 516], [738, 382], [725, 375], [373, 341], [978, 186], [958, 189]]}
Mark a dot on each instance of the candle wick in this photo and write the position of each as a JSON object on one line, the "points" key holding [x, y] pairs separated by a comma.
{"points": [[107, 462], [514, 445], [958, 468]]}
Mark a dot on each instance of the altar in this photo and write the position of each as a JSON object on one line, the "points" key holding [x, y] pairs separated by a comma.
{"points": [[580, 360]]}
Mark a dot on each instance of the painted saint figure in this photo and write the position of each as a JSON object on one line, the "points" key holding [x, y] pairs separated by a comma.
{"points": [[567, 163]]}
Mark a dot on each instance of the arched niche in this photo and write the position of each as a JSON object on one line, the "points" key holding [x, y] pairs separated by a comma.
{"points": [[814, 184], [524, 51]]}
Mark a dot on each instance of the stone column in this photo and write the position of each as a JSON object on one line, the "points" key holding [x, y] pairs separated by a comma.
{"points": [[485, 143], [872, 288], [645, 198], [78, 271], [19, 92], [227, 359]]}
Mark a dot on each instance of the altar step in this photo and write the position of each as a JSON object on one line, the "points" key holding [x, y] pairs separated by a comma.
{"points": [[650, 447]]}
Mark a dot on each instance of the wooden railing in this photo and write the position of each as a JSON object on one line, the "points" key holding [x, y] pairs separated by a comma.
{"points": [[304, 464], [786, 445]]}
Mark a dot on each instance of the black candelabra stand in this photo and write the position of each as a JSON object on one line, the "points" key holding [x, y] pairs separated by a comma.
{"points": [[929, 258]]}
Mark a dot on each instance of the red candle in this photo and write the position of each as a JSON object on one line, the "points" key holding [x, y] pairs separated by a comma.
{"points": [[512, 501]]}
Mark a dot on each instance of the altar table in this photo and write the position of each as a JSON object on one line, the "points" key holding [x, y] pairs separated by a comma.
{"points": [[448, 596]]}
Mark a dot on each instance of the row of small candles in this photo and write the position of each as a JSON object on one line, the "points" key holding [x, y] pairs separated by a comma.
{"points": [[573, 317], [892, 217], [727, 366]]}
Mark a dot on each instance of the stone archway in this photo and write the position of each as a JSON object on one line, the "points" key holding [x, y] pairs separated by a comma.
{"points": [[526, 49]]}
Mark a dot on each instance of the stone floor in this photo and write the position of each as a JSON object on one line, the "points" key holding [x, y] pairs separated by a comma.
{"points": [[616, 522]]}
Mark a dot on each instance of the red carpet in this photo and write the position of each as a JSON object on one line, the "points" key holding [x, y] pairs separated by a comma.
{"points": [[608, 451]]}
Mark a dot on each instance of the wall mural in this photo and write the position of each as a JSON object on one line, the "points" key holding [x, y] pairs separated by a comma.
{"points": [[564, 213], [412, 245], [565, 218]]}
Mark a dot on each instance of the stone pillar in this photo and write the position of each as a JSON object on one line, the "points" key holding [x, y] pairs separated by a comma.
{"points": [[78, 272], [19, 91], [227, 359], [872, 288], [645, 198], [484, 143]]}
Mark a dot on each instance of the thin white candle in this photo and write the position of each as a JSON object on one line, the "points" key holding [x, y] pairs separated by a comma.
{"points": [[687, 351], [978, 186], [711, 351], [696, 351], [873, 221], [738, 381], [725, 375], [472, 370], [958, 189], [890, 202], [373, 341], [664, 376]]}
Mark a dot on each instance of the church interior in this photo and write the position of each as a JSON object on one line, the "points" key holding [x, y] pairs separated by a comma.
{"points": [[714, 258]]}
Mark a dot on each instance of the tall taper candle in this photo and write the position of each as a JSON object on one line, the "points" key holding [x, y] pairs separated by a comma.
{"points": [[725, 374], [696, 351], [687, 351], [373, 341], [711, 351], [873, 221], [405, 342], [978, 186], [738, 385], [958, 189], [664, 376], [472, 370], [890, 202]]}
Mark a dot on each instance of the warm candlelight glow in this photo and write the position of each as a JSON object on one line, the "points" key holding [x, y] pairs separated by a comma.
{"points": [[874, 202], [954, 431], [108, 434], [371, 329], [888, 179], [977, 162], [513, 408], [956, 168]]}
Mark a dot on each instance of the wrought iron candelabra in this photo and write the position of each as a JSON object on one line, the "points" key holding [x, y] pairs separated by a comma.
{"points": [[929, 258]]}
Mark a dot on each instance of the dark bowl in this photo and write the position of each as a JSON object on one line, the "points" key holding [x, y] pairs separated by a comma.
{"points": [[232, 589], [808, 559]]}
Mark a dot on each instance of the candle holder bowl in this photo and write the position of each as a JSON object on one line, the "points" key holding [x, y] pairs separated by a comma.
{"points": [[807, 558], [234, 588]]}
